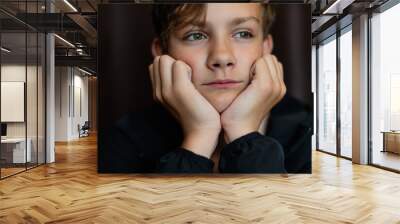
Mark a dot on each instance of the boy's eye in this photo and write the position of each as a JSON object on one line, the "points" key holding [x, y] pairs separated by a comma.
{"points": [[194, 36], [244, 34]]}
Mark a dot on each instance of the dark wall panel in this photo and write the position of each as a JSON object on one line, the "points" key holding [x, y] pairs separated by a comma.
{"points": [[124, 39], [292, 45]]}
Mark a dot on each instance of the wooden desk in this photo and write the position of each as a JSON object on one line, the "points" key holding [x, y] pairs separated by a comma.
{"points": [[16, 147], [391, 141]]}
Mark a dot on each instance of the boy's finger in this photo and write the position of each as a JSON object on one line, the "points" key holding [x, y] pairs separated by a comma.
{"points": [[273, 74], [278, 67], [157, 78], [166, 63], [181, 74], [151, 74], [272, 68], [262, 75]]}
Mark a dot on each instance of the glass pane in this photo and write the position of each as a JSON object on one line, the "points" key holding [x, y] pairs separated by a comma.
{"points": [[14, 153], [327, 96], [41, 98], [346, 94], [31, 101], [385, 86]]}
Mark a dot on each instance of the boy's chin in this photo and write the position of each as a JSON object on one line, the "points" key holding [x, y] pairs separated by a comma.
{"points": [[222, 104]]}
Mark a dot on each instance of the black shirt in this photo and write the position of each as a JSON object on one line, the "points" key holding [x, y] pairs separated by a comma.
{"points": [[149, 141]]}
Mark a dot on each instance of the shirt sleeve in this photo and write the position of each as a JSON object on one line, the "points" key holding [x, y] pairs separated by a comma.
{"points": [[252, 153], [181, 160], [118, 153]]}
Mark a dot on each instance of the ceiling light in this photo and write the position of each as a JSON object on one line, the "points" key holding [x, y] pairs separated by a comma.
{"points": [[70, 5], [337, 7], [84, 71], [5, 50], [64, 40]]}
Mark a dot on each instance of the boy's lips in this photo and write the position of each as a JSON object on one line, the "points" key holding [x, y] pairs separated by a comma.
{"points": [[223, 83]]}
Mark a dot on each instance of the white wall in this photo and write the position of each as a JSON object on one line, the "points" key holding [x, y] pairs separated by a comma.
{"points": [[16, 73], [62, 80], [71, 92], [13, 73], [33, 126]]}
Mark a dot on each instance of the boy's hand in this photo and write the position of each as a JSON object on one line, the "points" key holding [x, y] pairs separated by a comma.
{"points": [[172, 87], [247, 111]]}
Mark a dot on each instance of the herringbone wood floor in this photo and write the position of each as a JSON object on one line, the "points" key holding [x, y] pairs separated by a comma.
{"points": [[71, 191]]}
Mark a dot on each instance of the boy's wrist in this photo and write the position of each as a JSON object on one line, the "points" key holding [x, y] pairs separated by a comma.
{"points": [[235, 131], [201, 143], [233, 134]]}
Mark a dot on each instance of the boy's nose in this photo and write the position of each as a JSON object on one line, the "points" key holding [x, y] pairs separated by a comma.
{"points": [[221, 57]]}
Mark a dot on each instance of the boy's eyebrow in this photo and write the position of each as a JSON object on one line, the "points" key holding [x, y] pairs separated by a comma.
{"points": [[234, 22], [240, 20]]}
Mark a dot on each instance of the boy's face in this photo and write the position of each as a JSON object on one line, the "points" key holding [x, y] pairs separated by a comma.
{"points": [[225, 49]]}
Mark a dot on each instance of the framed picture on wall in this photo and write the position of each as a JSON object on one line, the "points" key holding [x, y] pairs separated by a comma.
{"points": [[12, 101]]}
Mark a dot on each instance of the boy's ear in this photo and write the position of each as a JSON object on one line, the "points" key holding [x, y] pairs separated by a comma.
{"points": [[268, 45], [156, 47]]}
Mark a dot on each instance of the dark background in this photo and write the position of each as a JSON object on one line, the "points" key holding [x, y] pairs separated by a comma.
{"points": [[125, 33]]}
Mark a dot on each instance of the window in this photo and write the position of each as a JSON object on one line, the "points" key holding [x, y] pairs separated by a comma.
{"points": [[385, 88], [327, 96], [346, 93], [22, 78]]}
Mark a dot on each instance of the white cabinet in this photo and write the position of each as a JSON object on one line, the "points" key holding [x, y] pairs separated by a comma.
{"points": [[18, 149]]}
